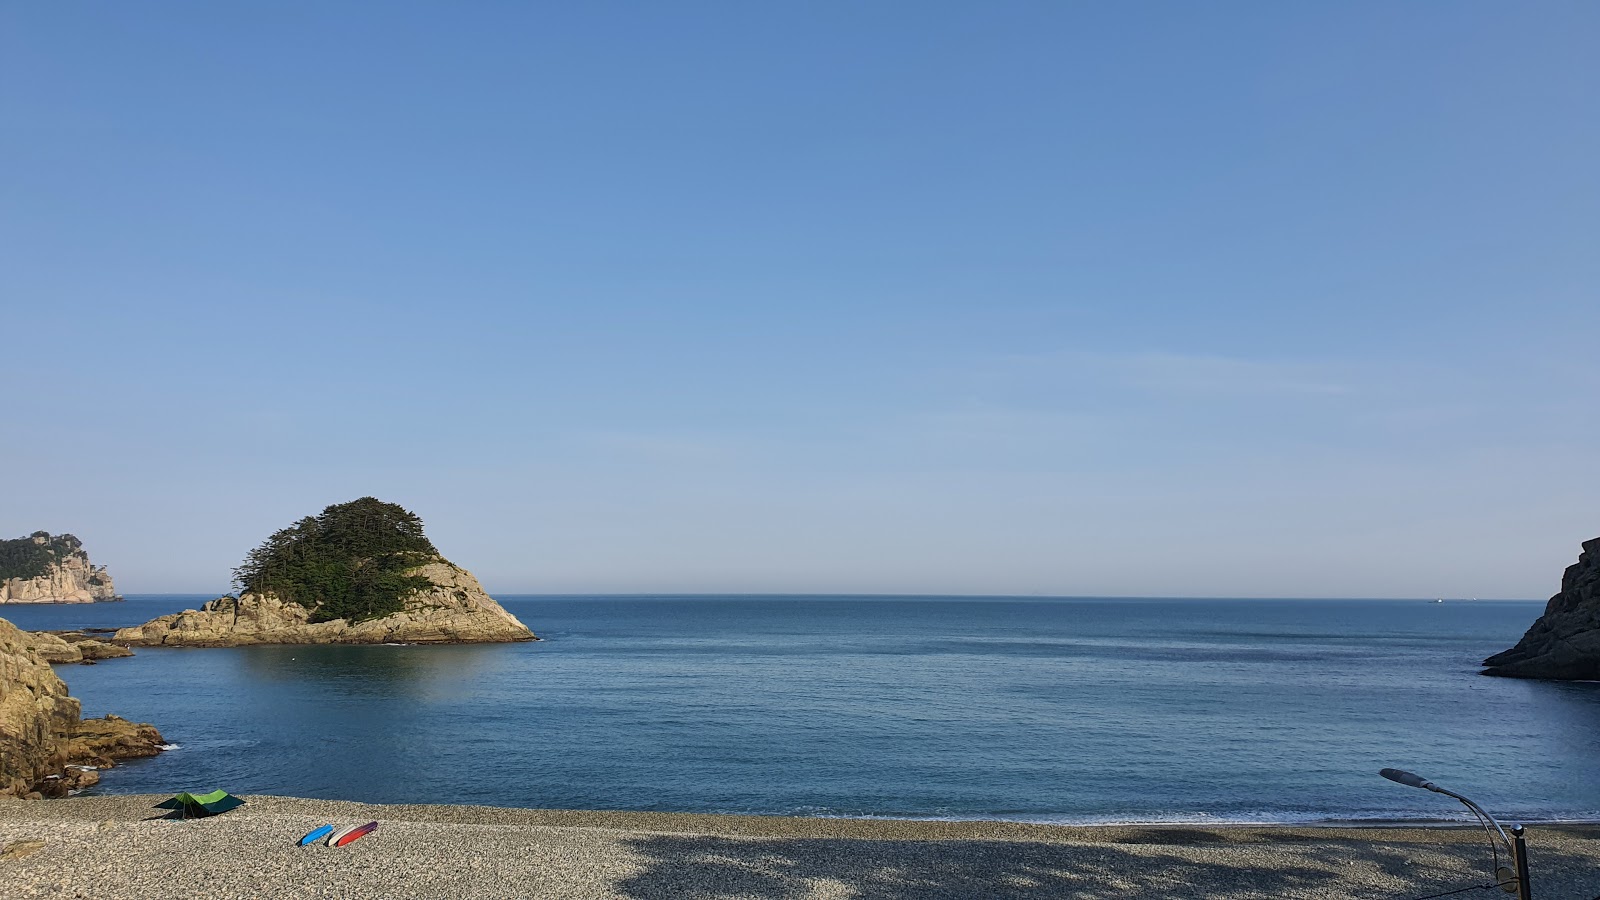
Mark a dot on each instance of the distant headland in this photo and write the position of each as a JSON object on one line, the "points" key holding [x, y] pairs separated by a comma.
{"points": [[46, 568], [1564, 644], [361, 572]]}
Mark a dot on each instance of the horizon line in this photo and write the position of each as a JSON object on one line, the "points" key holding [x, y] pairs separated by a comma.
{"points": [[906, 595]]}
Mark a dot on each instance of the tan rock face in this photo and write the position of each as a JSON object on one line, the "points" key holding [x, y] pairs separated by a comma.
{"points": [[99, 742], [71, 579], [57, 650], [92, 651], [41, 734], [52, 649], [36, 714], [454, 611]]}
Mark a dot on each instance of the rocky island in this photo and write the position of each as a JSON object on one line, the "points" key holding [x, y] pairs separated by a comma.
{"points": [[45, 747], [359, 573], [1564, 644], [46, 568]]}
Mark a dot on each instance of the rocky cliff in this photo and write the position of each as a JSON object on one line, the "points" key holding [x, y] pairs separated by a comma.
{"points": [[453, 610], [1565, 642], [44, 746], [42, 568]]}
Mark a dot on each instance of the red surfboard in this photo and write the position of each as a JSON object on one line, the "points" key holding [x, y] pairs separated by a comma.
{"points": [[359, 832]]}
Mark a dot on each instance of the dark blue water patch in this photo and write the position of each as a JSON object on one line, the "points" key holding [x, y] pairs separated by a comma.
{"points": [[1017, 708], [1126, 651]]}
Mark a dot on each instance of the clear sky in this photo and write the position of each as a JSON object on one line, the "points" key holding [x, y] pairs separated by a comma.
{"points": [[1250, 299]]}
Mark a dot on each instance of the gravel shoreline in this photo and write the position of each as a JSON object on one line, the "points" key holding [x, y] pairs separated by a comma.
{"points": [[116, 847]]}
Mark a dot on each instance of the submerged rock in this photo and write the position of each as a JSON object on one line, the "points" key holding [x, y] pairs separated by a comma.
{"points": [[454, 609], [1564, 644]]}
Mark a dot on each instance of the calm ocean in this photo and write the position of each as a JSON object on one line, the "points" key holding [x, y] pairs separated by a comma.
{"points": [[1053, 710]]}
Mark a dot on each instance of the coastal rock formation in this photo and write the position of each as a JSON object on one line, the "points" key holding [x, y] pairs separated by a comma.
{"points": [[359, 573], [93, 651], [35, 714], [44, 746], [453, 610], [50, 648], [42, 568], [1564, 643], [99, 742], [72, 647]]}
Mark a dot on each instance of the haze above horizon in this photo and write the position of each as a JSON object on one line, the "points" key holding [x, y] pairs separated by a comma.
{"points": [[1019, 298]]}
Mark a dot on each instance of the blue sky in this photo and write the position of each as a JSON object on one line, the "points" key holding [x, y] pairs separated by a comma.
{"points": [[1144, 299]]}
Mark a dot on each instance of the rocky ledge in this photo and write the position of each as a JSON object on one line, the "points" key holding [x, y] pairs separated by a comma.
{"points": [[72, 647], [453, 610], [1564, 644], [45, 568], [45, 748]]}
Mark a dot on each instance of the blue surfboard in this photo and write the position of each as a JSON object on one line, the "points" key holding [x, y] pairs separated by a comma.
{"points": [[316, 835]]}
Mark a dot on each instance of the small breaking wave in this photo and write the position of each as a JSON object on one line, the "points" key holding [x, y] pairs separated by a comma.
{"points": [[1305, 818]]}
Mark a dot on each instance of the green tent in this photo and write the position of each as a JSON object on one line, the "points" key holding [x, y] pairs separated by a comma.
{"points": [[195, 806]]}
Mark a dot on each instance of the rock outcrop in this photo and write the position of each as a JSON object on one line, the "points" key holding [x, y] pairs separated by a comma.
{"points": [[100, 742], [44, 745], [72, 647], [50, 648], [94, 651], [42, 568], [36, 714], [453, 610], [1564, 643]]}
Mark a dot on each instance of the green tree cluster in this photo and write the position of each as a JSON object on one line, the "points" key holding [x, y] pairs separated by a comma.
{"points": [[30, 557], [350, 562]]}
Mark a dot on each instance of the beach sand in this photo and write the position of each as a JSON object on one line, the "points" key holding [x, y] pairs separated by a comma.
{"points": [[112, 847]]}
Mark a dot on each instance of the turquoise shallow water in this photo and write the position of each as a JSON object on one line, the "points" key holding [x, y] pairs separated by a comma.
{"points": [[1060, 710]]}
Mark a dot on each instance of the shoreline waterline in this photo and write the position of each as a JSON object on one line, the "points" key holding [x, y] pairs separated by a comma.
{"points": [[140, 807], [115, 848]]}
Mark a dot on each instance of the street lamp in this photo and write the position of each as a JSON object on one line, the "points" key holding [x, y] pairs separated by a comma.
{"points": [[1512, 882]]}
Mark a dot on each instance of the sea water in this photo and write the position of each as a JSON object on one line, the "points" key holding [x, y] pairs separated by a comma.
{"points": [[1031, 709]]}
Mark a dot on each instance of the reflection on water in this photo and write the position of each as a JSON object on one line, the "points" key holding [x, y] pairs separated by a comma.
{"points": [[389, 670], [329, 721]]}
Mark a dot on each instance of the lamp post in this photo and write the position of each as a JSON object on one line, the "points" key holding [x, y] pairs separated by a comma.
{"points": [[1511, 881]]}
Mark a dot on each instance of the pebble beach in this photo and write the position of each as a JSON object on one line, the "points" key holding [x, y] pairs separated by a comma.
{"points": [[117, 847]]}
